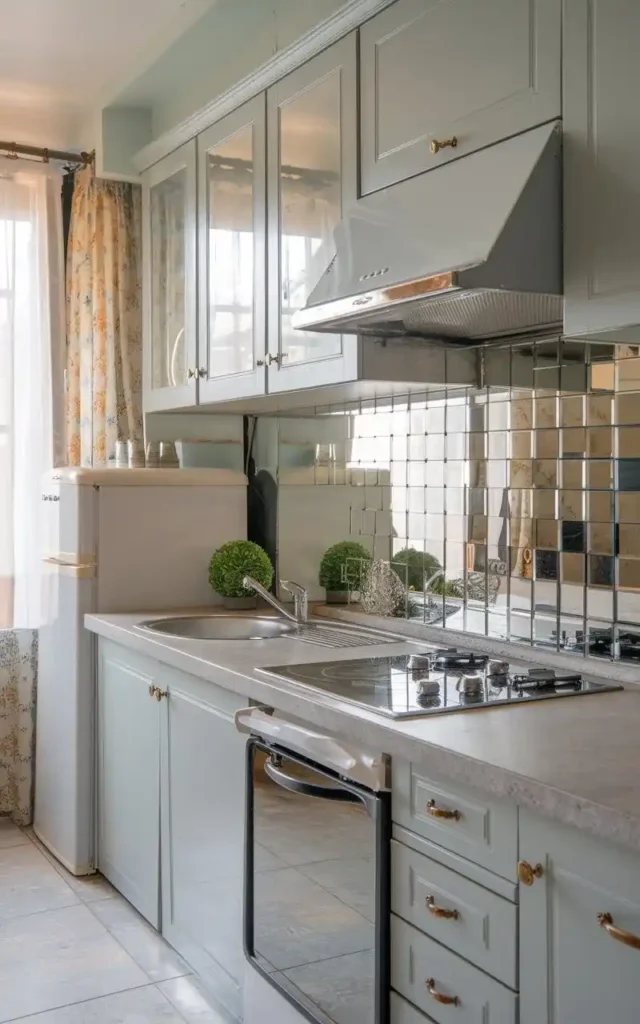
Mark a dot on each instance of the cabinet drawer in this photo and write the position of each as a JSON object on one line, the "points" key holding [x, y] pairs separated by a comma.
{"points": [[479, 828], [418, 965], [403, 1012], [484, 930]]}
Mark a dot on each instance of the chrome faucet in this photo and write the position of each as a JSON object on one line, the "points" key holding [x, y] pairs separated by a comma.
{"points": [[300, 598]]}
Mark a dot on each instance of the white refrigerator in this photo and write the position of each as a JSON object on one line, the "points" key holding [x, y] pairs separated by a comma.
{"points": [[117, 540]]}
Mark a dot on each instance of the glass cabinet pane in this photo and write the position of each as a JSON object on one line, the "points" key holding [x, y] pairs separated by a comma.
{"points": [[310, 208], [230, 240], [168, 213]]}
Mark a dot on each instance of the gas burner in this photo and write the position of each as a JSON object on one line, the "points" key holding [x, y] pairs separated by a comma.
{"points": [[428, 688], [451, 657], [546, 678]]}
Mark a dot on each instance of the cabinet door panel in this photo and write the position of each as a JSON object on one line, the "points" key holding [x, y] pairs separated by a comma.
{"points": [[232, 182], [438, 69], [129, 779], [602, 168], [571, 970], [203, 833], [169, 244], [312, 157]]}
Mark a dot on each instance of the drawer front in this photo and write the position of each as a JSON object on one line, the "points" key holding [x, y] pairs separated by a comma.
{"points": [[403, 1012], [483, 928], [427, 974], [458, 818]]}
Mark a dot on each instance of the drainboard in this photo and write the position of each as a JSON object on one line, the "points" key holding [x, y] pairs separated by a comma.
{"points": [[327, 636]]}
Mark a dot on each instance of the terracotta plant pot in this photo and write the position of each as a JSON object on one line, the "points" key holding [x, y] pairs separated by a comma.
{"points": [[239, 604]]}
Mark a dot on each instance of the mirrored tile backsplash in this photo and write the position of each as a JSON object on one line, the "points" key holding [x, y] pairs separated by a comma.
{"points": [[510, 510]]}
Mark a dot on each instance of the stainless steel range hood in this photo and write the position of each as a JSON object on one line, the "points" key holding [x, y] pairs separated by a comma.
{"points": [[472, 250]]}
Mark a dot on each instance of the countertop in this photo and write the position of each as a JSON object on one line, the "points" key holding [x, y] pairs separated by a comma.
{"points": [[575, 760]]}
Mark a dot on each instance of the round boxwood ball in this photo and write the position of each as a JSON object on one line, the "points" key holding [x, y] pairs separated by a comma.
{"points": [[235, 560], [333, 575]]}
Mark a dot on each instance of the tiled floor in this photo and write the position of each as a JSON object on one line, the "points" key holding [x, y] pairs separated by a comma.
{"points": [[72, 951]]}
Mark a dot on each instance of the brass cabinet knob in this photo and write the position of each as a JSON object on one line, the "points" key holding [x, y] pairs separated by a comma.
{"points": [[160, 694], [438, 144], [202, 372], [259, 362], [192, 374], [439, 996], [442, 912], [626, 938], [527, 874], [442, 812], [152, 690], [273, 359]]}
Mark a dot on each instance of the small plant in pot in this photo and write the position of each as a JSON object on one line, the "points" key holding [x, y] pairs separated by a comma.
{"points": [[342, 570], [228, 567]]}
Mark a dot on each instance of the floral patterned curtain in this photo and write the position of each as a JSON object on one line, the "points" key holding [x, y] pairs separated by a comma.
{"points": [[18, 670], [104, 319]]}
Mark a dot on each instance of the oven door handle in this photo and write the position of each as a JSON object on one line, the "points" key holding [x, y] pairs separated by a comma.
{"points": [[289, 782]]}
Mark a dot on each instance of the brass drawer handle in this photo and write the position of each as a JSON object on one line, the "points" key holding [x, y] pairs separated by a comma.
{"points": [[152, 690], [439, 996], [161, 694], [528, 874], [438, 144], [626, 938], [448, 915], [442, 812]]}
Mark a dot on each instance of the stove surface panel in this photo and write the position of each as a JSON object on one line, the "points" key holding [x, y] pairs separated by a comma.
{"points": [[436, 680]]}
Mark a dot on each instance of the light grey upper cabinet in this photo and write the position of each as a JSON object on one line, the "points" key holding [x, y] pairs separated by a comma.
{"points": [[602, 169], [232, 255], [579, 928], [169, 282], [312, 173], [442, 78]]}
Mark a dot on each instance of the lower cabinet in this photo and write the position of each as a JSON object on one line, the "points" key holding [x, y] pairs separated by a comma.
{"points": [[202, 815], [129, 777], [579, 928], [171, 809]]}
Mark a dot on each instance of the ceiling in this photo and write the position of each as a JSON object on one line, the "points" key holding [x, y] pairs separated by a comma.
{"points": [[59, 59]]}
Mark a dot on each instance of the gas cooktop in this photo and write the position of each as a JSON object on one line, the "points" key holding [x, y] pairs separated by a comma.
{"points": [[436, 680]]}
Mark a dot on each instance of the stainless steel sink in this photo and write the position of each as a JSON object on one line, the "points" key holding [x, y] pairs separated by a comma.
{"points": [[221, 627]]}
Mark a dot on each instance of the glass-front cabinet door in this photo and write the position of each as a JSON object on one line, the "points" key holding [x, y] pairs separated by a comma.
{"points": [[169, 225], [232, 255], [312, 175]]}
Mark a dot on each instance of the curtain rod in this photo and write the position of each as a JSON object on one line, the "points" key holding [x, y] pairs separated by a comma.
{"points": [[12, 151]]}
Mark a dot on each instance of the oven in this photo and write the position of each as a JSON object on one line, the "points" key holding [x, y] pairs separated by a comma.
{"points": [[317, 872]]}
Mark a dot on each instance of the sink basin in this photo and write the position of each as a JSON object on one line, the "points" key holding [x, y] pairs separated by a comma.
{"points": [[221, 627]]}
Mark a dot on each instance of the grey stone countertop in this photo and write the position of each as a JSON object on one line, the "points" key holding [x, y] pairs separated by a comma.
{"points": [[573, 760]]}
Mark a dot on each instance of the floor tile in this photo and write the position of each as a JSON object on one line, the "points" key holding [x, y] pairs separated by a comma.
{"points": [[87, 887], [192, 1002], [11, 835], [29, 885], [342, 986], [137, 1006], [298, 922], [352, 880], [60, 957], [149, 950]]}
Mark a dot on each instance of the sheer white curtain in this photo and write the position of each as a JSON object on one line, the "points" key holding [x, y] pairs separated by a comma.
{"points": [[32, 341]]}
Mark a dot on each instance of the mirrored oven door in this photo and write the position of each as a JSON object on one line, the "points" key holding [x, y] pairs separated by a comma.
{"points": [[317, 902]]}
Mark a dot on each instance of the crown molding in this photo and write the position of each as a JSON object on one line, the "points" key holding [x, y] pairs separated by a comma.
{"points": [[349, 17]]}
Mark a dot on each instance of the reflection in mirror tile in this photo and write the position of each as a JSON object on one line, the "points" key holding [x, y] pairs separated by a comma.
{"points": [[522, 497]]}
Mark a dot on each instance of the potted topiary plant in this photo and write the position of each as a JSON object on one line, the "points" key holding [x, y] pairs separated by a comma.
{"points": [[342, 570], [230, 564]]}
